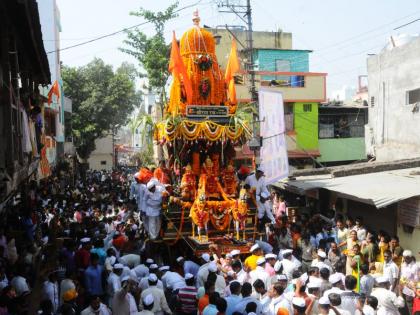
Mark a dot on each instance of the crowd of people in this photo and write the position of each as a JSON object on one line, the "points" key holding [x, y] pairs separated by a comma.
{"points": [[81, 249]]}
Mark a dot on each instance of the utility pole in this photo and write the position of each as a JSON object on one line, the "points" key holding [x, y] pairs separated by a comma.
{"points": [[242, 11]]}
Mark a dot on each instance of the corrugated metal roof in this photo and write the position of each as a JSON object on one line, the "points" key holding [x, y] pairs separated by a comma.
{"points": [[379, 189]]}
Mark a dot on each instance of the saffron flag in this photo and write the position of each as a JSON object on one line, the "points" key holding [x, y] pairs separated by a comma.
{"points": [[55, 89], [178, 70], [231, 68]]}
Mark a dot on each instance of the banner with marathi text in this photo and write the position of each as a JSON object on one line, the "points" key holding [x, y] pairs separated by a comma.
{"points": [[273, 152]]}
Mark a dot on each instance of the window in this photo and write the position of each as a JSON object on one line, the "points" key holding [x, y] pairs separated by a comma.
{"points": [[343, 125], [307, 107], [103, 162], [413, 96]]}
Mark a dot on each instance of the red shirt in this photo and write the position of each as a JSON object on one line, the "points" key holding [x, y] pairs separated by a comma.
{"points": [[82, 258], [416, 304]]}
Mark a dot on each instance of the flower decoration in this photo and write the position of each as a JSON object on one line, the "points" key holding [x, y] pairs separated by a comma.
{"points": [[204, 62], [204, 87]]}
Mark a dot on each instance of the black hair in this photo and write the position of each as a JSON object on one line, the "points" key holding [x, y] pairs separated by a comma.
{"points": [[335, 299], [236, 264], [350, 282], [324, 273], [235, 287], [364, 269], [221, 305], [190, 282], [312, 270], [246, 289], [251, 307], [208, 285], [278, 288], [373, 302], [258, 284], [213, 298]]}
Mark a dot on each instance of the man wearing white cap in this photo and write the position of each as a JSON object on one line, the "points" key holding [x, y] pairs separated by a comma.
{"points": [[134, 187], [187, 297], [257, 183], [153, 197], [409, 268], [173, 281], [251, 261], [203, 271], [270, 261], [388, 301], [220, 284], [123, 301], [260, 273], [321, 261], [287, 263], [188, 266], [114, 281], [235, 254], [144, 282], [337, 284], [160, 304], [148, 304]]}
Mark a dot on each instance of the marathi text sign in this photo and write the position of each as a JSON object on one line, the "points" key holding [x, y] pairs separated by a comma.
{"points": [[206, 111], [273, 153], [409, 212]]}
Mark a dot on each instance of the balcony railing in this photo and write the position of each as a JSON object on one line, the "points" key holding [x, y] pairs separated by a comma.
{"points": [[295, 86]]}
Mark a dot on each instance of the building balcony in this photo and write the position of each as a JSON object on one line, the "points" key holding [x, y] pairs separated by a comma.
{"points": [[295, 86]]}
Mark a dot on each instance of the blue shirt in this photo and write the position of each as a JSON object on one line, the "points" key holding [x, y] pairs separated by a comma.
{"points": [[191, 267], [93, 280], [231, 301], [210, 310], [101, 253]]}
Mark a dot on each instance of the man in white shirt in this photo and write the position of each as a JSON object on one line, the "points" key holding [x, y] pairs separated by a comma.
{"points": [[203, 271], [257, 183], [388, 301], [409, 268], [50, 290], [144, 282], [241, 275], [114, 281], [260, 273], [96, 307], [160, 304], [390, 269], [123, 301], [153, 197], [188, 266], [220, 284], [172, 281]]}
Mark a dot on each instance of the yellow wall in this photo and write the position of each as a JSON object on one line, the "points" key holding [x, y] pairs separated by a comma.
{"points": [[410, 241]]}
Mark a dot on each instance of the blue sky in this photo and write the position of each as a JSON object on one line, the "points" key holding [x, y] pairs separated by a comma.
{"points": [[340, 32]]}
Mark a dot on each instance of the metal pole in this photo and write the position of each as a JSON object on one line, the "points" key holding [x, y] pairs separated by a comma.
{"points": [[254, 95]]}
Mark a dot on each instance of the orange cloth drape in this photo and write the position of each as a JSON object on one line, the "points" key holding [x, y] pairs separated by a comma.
{"points": [[55, 89], [232, 68], [178, 69]]}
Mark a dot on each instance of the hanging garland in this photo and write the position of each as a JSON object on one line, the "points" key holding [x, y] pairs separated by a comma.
{"points": [[190, 130]]}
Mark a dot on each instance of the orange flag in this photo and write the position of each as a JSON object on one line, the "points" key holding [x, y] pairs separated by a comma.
{"points": [[231, 68], [177, 68], [55, 89]]}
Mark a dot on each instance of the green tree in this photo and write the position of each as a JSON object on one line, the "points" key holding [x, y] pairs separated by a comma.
{"points": [[152, 52], [102, 100]]}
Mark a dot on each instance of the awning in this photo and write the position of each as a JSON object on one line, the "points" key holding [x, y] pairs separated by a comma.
{"points": [[379, 189]]}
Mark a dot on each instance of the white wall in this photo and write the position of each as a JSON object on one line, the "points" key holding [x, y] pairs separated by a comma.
{"points": [[102, 153], [395, 128]]}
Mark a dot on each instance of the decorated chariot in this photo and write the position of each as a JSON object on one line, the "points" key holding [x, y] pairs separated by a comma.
{"points": [[198, 133]]}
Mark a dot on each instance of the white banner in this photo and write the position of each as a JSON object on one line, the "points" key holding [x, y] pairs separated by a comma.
{"points": [[273, 153]]}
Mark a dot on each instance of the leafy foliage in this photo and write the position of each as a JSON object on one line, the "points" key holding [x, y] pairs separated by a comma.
{"points": [[102, 100], [152, 52]]}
